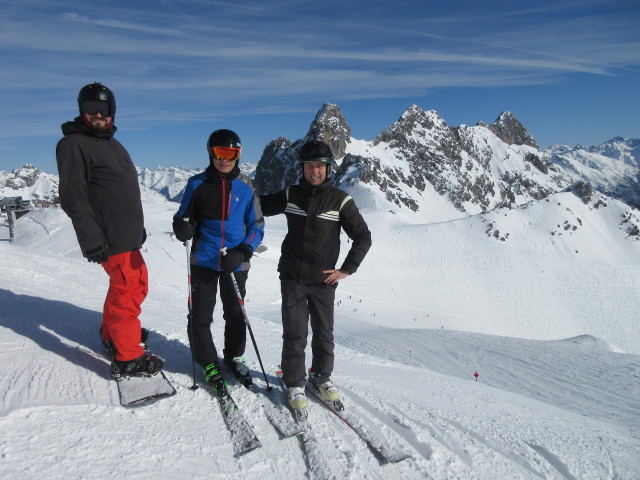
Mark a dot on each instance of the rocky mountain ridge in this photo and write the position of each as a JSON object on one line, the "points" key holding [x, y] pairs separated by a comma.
{"points": [[472, 169], [31, 184], [418, 165], [612, 167]]}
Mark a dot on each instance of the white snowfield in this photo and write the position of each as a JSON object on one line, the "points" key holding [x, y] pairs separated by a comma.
{"points": [[549, 323]]}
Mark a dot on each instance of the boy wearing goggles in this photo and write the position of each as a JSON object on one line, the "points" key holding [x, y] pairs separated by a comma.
{"points": [[221, 213]]}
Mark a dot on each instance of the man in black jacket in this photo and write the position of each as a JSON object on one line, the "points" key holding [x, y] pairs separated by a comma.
{"points": [[99, 191], [316, 212]]}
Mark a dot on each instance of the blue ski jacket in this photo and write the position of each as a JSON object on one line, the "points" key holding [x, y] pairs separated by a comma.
{"points": [[226, 211]]}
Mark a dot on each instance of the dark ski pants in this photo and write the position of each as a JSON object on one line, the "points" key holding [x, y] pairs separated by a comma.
{"points": [[204, 288], [301, 305], [128, 287]]}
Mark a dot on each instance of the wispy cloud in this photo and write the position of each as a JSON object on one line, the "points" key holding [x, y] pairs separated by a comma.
{"points": [[118, 25], [201, 58]]}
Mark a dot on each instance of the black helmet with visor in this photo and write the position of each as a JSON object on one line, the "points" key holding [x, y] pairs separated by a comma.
{"points": [[224, 144], [96, 98], [316, 151]]}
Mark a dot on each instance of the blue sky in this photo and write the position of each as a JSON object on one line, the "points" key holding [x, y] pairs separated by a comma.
{"points": [[569, 70]]}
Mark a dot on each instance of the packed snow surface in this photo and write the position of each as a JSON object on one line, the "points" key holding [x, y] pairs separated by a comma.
{"points": [[549, 323]]}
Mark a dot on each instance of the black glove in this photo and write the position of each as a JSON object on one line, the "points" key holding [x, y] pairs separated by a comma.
{"points": [[184, 230], [231, 260], [247, 253], [97, 255]]}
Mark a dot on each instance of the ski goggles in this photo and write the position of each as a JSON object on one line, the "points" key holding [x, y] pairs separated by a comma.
{"points": [[230, 154], [93, 107]]}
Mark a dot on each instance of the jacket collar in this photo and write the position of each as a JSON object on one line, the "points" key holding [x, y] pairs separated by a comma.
{"points": [[214, 174], [310, 189], [78, 126]]}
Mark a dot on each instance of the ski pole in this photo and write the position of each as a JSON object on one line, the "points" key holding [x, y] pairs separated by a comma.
{"points": [[246, 320], [190, 315]]}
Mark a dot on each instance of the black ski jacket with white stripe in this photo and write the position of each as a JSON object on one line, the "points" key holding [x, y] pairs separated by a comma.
{"points": [[315, 216]]}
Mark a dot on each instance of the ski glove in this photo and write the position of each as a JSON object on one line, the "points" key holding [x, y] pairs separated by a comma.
{"points": [[233, 258], [97, 255], [247, 253], [184, 230]]}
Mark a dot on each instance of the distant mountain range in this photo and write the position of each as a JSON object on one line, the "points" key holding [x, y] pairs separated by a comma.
{"points": [[471, 169], [419, 167]]}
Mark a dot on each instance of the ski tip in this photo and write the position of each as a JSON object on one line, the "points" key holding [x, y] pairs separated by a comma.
{"points": [[249, 447]]}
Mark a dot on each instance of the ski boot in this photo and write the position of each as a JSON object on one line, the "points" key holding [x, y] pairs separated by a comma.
{"points": [[146, 365], [213, 377], [327, 391], [298, 402], [240, 370]]}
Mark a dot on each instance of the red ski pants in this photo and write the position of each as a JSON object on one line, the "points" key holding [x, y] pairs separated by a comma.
{"points": [[128, 287]]}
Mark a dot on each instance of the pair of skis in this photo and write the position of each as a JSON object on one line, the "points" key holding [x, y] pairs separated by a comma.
{"points": [[383, 449], [242, 435], [386, 451]]}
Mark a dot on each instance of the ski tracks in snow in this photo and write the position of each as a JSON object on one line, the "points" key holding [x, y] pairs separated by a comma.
{"points": [[327, 450]]}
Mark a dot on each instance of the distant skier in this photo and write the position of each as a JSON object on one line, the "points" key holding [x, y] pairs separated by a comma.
{"points": [[99, 191], [221, 210], [316, 212]]}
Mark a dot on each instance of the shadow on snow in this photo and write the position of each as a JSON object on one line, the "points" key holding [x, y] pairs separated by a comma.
{"points": [[50, 322]]}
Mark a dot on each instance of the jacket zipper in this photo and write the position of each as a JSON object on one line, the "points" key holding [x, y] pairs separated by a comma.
{"points": [[225, 207]]}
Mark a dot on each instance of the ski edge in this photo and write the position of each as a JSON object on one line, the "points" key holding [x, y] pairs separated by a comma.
{"points": [[240, 427], [378, 449], [317, 464]]}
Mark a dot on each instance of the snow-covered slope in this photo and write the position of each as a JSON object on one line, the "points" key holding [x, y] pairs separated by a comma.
{"points": [[549, 322], [612, 167]]}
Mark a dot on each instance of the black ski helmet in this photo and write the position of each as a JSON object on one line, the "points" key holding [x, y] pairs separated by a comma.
{"points": [[93, 93], [223, 138], [316, 151]]}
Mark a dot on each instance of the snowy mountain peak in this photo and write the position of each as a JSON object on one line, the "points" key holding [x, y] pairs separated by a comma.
{"points": [[420, 162], [169, 181], [612, 167], [626, 151], [278, 166], [330, 127], [414, 122], [30, 183], [420, 165], [26, 176], [510, 130]]}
